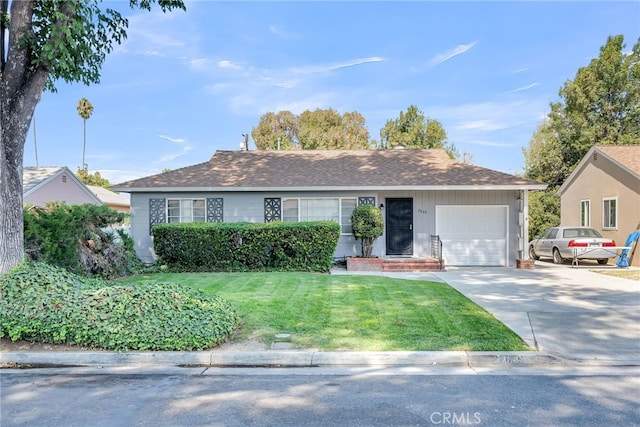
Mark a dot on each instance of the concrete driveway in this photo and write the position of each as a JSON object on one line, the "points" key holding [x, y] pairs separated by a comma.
{"points": [[573, 312]]}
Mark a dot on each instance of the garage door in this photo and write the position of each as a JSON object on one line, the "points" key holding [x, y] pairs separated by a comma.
{"points": [[473, 235]]}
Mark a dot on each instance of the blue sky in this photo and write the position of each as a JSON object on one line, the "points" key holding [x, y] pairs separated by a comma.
{"points": [[186, 84]]}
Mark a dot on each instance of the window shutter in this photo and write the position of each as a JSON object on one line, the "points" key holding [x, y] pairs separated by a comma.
{"points": [[157, 212], [366, 201], [272, 209], [214, 209]]}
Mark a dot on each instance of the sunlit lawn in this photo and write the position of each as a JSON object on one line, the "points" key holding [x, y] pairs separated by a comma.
{"points": [[360, 313]]}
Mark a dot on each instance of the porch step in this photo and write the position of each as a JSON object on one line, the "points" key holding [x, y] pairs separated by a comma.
{"points": [[411, 265]]}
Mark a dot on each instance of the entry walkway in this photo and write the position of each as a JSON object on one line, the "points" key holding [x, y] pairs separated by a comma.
{"points": [[575, 313]]}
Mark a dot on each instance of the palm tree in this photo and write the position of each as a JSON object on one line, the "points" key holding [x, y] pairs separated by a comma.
{"points": [[84, 110]]}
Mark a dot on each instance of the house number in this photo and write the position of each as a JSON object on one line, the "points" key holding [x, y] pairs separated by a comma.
{"points": [[422, 211]]}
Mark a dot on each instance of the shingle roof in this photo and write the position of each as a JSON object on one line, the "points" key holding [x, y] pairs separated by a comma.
{"points": [[229, 170], [33, 176], [108, 197], [627, 155]]}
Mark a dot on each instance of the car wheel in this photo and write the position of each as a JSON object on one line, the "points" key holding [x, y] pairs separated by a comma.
{"points": [[602, 261], [557, 258], [532, 254]]}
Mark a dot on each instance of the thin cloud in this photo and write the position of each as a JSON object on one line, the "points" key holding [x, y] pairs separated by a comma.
{"points": [[452, 53], [333, 67], [174, 140], [172, 156], [481, 125], [227, 64], [520, 89]]}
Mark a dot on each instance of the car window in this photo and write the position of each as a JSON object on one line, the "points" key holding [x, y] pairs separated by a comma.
{"points": [[550, 234], [571, 233], [589, 232]]}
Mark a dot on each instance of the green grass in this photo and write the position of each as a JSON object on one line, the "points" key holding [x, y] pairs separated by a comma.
{"points": [[359, 313]]}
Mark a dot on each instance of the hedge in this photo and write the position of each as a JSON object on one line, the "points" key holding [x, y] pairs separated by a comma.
{"points": [[275, 246]]}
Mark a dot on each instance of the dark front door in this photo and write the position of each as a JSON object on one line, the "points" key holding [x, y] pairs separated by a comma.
{"points": [[399, 213]]}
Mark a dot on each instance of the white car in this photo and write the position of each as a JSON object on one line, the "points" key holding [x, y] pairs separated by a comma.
{"points": [[562, 243]]}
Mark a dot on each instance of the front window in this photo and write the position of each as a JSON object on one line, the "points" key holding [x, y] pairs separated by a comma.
{"points": [[585, 213], [326, 209], [185, 210], [609, 214]]}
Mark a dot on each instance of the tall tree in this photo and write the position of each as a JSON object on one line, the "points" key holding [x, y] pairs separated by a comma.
{"points": [[85, 109], [329, 130], [543, 159], [40, 43], [413, 130], [601, 105], [311, 130], [277, 131], [92, 178]]}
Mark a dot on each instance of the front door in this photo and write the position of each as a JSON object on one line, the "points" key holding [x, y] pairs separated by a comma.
{"points": [[399, 218]]}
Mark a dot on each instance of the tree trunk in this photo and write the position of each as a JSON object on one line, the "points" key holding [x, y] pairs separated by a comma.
{"points": [[20, 89]]}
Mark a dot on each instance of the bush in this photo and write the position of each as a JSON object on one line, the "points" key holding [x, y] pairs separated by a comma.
{"points": [[274, 246], [51, 305], [75, 237], [367, 224]]}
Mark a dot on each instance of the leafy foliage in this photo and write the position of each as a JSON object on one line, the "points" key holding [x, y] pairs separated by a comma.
{"points": [[544, 211], [50, 305], [42, 42], [274, 246], [367, 225], [413, 130], [74, 237], [312, 130], [601, 105], [92, 178]]}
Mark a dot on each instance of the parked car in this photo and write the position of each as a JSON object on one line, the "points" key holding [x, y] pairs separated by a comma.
{"points": [[562, 243]]}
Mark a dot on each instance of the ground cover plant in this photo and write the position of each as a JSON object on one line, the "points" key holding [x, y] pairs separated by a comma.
{"points": [[50, 305], [359, 313]]}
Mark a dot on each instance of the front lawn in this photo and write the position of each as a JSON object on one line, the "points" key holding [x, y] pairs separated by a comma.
{"points": [[359, 313]]}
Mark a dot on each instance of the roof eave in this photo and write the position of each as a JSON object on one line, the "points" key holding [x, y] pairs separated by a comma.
{"points": [[530, 187]]}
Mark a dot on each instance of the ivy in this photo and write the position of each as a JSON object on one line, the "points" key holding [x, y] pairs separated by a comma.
{"points": [[47, 304]]}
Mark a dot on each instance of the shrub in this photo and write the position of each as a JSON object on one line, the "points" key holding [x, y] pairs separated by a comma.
{"points": [[76, 237], [274, 246], [51, 305], [368, 225]]}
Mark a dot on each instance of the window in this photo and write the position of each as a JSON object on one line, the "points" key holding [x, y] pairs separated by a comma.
{"points": [[185, 210], [328, 209], [609, 213], [585, 213], [550, 234]]}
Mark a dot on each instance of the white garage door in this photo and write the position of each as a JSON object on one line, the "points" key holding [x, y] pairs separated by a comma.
{"points": [[473, 235]]}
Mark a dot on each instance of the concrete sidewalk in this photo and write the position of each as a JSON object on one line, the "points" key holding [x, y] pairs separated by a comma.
{"points": [[572, 316]]}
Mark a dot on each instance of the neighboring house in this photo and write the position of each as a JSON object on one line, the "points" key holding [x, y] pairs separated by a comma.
{"points": [[479, 214], [603, 192], [54, 184], [110, 198]]}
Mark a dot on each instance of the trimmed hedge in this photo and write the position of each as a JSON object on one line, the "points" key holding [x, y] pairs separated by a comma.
{"points": [[48, 304], [274, 246]]}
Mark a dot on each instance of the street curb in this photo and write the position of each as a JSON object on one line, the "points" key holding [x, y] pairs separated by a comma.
{"points": [[302, 358]]}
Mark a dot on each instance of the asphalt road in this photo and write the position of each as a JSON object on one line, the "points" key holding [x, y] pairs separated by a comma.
{"points": [[221, 398]]}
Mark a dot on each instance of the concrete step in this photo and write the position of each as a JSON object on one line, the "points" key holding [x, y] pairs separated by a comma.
{"points": [[409, 265]]}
